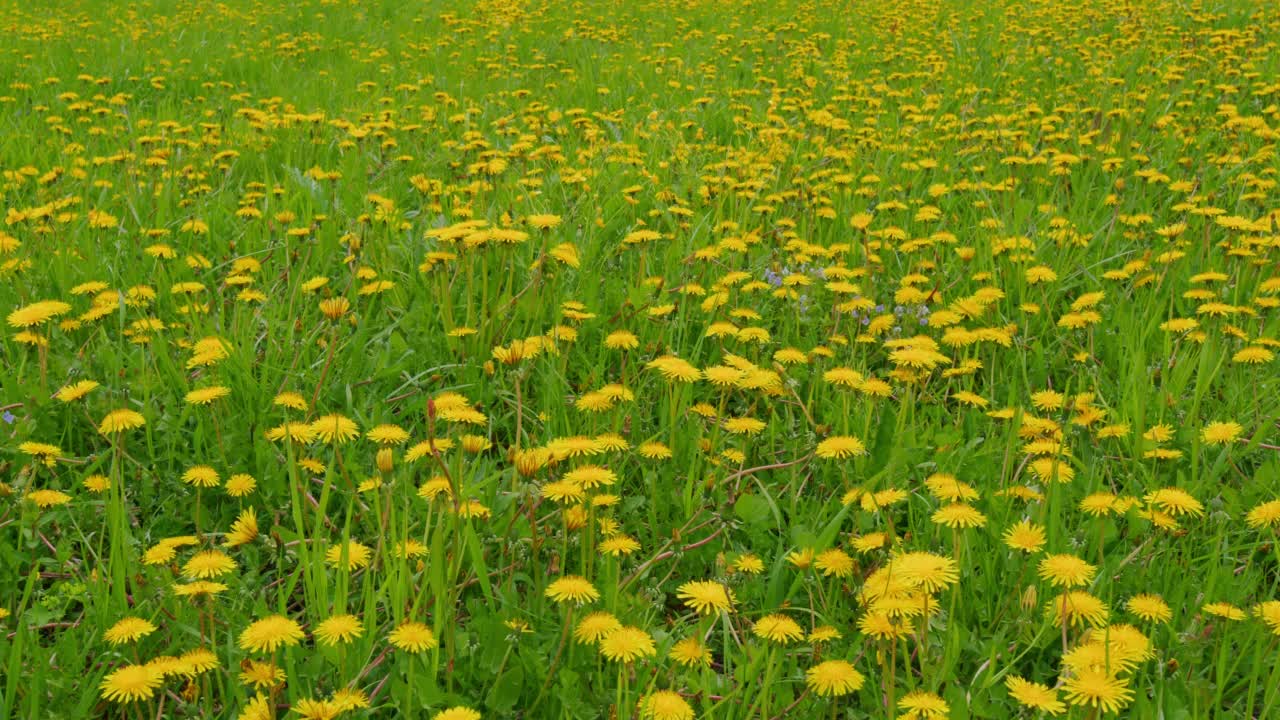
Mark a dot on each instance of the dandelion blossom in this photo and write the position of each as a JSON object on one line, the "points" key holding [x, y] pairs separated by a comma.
{"points": [[689, 652], [665, 705], [131, 683], [336, 429], [959, 516], [840, 446], [1095, 687], [833, 677], [413, 637], [572, 588], [358, 555], [777, 628], [627, 644], [1025, 536], [932, 573], [270, 633], [1175, 501], [1151, 608], [339, 629], [458, 712], [74, 392], [118, 421], [1078, 608], [261, 675], [128, 630], [207, 395], [921, 705], [594, 627], [706, 597], [1220, 433], [1034, 695], [1066, 570], [1265, 515], [208, 564], [37, 313], [1269, 613]]}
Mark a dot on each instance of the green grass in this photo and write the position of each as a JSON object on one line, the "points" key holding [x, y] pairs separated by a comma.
{"points": [[962, 205]]}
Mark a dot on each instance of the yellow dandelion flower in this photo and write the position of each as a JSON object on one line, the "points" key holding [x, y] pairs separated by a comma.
{"points": [[270, 633], [131, 683], [412, 637]]}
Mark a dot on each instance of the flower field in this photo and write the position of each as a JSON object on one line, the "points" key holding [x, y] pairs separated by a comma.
{"points": [[656, 360]]}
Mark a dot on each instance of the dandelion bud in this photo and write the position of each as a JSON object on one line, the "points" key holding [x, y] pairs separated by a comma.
{"points": [[1029, 597], [575, 518], [385, 460], [335, 308], [529, 462]]}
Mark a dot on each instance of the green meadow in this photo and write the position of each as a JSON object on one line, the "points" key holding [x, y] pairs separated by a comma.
{"points": [[654, 360]]}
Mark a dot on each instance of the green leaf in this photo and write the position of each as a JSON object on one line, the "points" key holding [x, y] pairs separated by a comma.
{"points": [[751, 509], [482, 569], [506, 691]]}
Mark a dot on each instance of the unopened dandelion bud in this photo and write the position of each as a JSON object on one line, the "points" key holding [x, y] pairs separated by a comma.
{"points": [[385, 460], [1029, 598], [575, 518], [529, 462], [335, 308]]}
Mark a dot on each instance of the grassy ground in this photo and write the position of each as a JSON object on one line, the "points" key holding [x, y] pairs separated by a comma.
{"points": [[663, 359]]}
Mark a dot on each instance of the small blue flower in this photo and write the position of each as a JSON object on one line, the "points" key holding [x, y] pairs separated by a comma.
{"points": [[7, 417]]}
